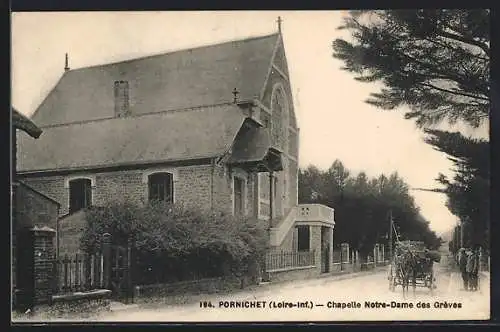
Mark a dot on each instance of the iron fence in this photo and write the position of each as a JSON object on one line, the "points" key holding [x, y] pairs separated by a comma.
{"points": [[289, 259]]}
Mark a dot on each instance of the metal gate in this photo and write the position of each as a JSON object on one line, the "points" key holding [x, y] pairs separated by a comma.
{"points": [[120, 280], [118, 271]]}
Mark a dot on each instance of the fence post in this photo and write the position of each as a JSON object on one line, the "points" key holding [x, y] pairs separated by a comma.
{"points": [[341, 259], [106, 253], [87, 269], [130, 284]]}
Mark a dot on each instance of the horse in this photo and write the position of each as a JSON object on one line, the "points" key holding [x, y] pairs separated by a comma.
{"points": [[407, 269]]}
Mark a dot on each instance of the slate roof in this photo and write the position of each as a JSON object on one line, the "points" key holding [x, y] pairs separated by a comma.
{"points": [[19, 121], [200, 76], [158, 137]]}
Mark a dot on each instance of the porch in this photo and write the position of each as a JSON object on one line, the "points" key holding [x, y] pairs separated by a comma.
{"points": [[302, 242]]}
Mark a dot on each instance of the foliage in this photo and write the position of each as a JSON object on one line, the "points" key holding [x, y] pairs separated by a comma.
{"points": [[468, 191], [435, 61], [362, 206], [173, 243]]}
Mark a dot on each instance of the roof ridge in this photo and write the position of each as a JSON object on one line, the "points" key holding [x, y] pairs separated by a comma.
{"points": [[250, 38], [134, 116]]}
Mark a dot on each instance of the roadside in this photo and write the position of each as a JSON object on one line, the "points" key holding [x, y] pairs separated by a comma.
{"points": [[181, 301], [265, 288], [372, 287]]}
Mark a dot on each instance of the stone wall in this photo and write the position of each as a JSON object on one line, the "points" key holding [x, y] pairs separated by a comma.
{"points": [[294, 274], [145, 293], [191, 186], [70, 231], [200, 186]]}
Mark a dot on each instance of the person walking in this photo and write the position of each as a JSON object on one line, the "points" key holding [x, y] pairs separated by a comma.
{"points": [[462, 265], [472, 269]]}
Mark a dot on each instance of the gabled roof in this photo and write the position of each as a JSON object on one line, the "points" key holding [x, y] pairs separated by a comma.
{"points": [[193, 77], [203, 132], [253, 147], [19, 121], [250, 145]]}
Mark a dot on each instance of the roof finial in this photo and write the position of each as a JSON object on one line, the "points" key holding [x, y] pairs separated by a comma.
{"points": [[279, 20], [235, 93], [66, 63]]}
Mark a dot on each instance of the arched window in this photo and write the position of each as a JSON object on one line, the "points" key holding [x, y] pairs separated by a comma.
{"points": [[80, 194], [280, 118], [161, 187]]}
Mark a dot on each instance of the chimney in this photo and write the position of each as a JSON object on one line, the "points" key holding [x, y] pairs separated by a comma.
{"points": [[235, 95], [122, 103], [279, 21], [66, 63]]}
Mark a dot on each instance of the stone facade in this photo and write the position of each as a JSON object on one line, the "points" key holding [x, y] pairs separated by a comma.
{"points": [[201, 186], [279, 116], [207, 185]]}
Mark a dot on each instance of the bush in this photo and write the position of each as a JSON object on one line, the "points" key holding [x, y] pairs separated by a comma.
{"points": [[172, 243]]}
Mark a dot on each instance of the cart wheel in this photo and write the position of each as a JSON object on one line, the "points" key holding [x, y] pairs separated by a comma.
{"points": [[432, 286]]}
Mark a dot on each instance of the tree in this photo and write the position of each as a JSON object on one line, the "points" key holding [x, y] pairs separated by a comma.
{"points": [[468, 191], [435, 61], [362, 206]]}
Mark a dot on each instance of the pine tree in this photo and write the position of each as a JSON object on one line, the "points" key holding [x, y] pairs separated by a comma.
{"points": [[468, 191], [436, 62]]}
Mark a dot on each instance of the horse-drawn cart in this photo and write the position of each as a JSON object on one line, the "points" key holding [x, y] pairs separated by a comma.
{"points": [[412, 264]]}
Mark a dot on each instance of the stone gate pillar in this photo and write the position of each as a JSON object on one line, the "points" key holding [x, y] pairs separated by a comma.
{"points": [[36, 251], [44, 263], [315, 244]]}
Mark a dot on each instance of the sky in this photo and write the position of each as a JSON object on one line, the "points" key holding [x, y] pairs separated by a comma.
{"points": [[334, 120]]}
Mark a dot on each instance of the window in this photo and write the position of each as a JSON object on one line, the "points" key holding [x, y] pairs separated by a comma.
{"points": [[161, 187], [80, 194], [238, 196], [303, 238], [121, 98]]}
